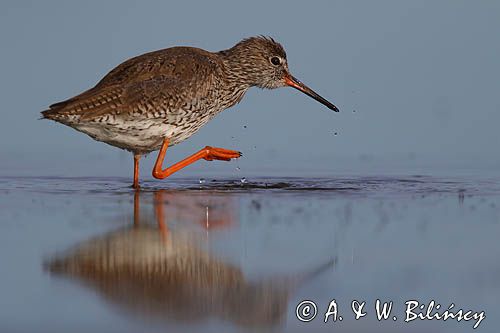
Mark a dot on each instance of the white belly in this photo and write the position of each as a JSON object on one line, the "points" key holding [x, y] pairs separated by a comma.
{"points": [[142, 136]]}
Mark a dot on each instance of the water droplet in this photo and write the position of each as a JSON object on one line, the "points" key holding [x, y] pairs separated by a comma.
{"points": [[238, 168], [232, 138], [353, 110], [244, 126], [335, 133], [202, 180], [243, 180]]}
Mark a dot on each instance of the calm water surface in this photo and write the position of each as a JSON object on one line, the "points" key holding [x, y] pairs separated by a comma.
{"points": [[81, 254]]}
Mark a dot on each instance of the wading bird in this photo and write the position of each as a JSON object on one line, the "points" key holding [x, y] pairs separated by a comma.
{"points": [[161, 98]]}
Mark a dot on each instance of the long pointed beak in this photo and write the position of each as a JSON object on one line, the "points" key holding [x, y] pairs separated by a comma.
{"points": [[293, 82]]}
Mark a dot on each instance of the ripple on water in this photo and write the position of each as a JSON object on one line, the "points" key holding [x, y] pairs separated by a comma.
{"points": [[338, 185]]}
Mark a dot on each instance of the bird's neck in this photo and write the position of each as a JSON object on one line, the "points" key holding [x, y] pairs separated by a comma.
{"points": [[239, 70]]}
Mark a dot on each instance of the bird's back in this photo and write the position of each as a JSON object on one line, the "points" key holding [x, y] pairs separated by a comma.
{"points": [[179, 71], [166, 93]]}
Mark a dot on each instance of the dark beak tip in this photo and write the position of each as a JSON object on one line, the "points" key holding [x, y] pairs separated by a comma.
{"points": [[295, 83], [332, 107]]}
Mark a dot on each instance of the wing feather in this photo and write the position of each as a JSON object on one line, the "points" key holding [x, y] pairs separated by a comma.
{"points": [[153, 82]]}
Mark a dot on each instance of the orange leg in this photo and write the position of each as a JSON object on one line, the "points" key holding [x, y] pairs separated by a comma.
{"points": [[136, 171], [207, 153]]}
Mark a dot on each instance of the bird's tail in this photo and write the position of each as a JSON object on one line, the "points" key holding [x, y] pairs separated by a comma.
{"points": [[56, 111]]}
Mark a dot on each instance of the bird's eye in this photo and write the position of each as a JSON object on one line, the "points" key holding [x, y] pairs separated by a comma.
{"points": [[275, 61]]}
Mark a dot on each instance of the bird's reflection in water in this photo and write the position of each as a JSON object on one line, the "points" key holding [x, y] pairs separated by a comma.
{"points": [[156, 270]]}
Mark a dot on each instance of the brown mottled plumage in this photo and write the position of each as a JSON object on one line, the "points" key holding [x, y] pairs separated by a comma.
{"points": [[169, 94]]}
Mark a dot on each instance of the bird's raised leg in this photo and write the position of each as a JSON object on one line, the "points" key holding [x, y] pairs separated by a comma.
{"points": [[136, 171], [207, 153]]}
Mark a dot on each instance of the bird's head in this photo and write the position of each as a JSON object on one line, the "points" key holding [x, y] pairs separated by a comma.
{"points": [[262, 62]]}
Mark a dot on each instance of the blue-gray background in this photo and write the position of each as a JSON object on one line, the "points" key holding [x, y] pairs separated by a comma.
{"points": [[421, 76]]}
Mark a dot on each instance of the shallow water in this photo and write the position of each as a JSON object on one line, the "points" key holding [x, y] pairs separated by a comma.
{"points": [[82, 254]]}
